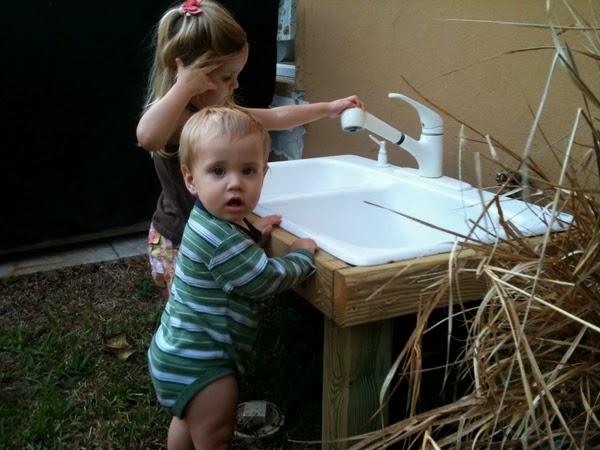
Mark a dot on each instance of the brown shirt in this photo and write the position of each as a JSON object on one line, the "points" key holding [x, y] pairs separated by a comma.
{"points": [[175, 202]]}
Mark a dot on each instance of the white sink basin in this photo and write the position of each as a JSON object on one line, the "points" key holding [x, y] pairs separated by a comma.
{"points": [[365, 215]]}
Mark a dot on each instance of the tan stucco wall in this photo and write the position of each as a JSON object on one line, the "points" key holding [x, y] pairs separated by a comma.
{"points": [[366, 48]]}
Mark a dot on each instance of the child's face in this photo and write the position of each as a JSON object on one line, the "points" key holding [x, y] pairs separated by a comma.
{"points": [[225, 79], [227, 176]]}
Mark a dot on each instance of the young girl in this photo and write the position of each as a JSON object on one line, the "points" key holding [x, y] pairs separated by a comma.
{"points": [[209, 323], [200, 51]]}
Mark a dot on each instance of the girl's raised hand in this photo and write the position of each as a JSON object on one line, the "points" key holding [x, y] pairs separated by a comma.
{"points": [[196, 76], [336, 107]]}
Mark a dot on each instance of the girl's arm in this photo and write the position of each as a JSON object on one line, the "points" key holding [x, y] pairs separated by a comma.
{"points": [[165, 117], [290, 116]]}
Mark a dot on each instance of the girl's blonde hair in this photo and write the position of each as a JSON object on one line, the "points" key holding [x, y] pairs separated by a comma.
{"points": [[223, 121], [212, 34]]}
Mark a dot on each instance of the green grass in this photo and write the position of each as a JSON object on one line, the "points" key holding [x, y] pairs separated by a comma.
{"points": [[62, 388]]}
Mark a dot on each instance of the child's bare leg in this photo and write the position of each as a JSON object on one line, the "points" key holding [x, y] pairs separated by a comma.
{"points": [[179, 437], [211, 415]]}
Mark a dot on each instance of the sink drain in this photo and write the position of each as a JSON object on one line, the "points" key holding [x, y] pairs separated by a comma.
{"points": [[257, 420]]}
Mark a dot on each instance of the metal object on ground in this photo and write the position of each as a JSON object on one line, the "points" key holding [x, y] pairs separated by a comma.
{"points": [[258, 420]]}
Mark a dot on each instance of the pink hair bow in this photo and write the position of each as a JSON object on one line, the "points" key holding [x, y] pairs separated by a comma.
{"points": [[190, 7]]}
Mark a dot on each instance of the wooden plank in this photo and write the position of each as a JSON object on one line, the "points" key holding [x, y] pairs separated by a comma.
{"points": [[353, 295], [369, 294], [355, 363]]}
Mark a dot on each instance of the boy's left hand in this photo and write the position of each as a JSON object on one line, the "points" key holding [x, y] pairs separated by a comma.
{"points": [[337, 107], [265, 226]]}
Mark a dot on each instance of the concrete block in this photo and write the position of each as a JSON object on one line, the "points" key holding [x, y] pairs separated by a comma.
{"points": [[254, 414]]}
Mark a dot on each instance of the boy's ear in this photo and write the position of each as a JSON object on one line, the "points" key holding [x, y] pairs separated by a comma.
{"points": [[188, 179]]}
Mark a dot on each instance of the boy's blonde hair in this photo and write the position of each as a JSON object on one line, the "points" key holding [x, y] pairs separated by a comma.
{"points": [[213, 34], [219, 121]]}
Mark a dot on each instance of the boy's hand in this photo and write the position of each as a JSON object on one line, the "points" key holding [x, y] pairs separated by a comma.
{"points": [[265, 226], [305, 243], [337, 107]]}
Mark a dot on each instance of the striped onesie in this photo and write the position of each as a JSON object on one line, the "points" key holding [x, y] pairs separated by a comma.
{"points": [[209, 323]]}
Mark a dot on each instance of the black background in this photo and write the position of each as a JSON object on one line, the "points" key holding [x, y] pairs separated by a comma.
{"points": [[74, 79]]}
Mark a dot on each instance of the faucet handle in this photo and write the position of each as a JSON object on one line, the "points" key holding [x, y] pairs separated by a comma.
{"points": [[430, 120]]}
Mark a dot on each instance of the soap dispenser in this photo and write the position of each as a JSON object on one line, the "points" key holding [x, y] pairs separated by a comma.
{"points": [[382, 154]]}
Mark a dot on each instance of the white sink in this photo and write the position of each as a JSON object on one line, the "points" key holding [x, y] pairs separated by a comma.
{"points": [[366, 215]]}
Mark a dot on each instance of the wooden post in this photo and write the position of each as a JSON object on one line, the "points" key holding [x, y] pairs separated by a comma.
{"points": [[355, 362]]}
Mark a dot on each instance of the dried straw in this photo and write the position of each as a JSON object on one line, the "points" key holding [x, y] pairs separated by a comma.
{"points": [[533, 349]]}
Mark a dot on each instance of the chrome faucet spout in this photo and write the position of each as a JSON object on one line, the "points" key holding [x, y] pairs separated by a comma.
{"points": [[428, 150]]}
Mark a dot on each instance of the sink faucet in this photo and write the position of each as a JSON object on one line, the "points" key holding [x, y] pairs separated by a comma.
{"points": [[427, 150]]}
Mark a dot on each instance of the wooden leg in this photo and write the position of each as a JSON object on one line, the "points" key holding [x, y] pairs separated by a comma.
{"points": [[355, 363]]}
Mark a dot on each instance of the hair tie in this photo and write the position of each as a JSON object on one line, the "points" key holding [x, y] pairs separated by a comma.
{"points": [[190, 7]]}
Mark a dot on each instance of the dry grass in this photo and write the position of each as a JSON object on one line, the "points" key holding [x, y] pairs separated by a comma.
{"points": [[107, 288], [533, 352]]}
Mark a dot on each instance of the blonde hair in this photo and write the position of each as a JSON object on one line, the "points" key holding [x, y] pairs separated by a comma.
{"points": [[213, 34], [208, 123]]}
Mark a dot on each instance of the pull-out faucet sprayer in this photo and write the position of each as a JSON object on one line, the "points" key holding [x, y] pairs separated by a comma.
{"points": [[427, 150]]}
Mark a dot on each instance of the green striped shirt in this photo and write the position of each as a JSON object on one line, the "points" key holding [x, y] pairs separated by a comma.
{"points": [[211, 316]]}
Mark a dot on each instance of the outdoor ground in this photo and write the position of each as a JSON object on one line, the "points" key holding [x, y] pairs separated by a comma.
{"points": [[73, 371]]}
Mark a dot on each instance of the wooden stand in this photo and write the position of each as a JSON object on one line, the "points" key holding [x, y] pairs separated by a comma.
{"points": [[359, 304]]}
